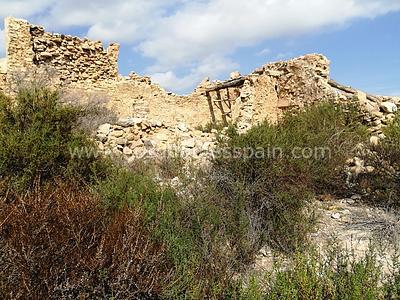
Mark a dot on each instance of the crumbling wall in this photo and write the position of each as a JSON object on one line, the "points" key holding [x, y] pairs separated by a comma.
{"points": [[300, 81], [274, 88], [72, 59], [136, 96]]}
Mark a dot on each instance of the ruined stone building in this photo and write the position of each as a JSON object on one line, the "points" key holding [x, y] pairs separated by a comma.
{"points": [[88, 68]]}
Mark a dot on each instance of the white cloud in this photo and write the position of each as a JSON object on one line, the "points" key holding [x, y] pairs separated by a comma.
{"points": [[183, 34], [222, 26]]}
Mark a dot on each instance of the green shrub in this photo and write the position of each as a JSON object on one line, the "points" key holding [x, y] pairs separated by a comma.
{"points": [[201, 231], [276, 183], [330, 274], [38, 140], [382, 186]]}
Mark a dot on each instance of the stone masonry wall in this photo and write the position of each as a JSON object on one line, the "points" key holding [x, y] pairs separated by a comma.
{"points": [[277, 87], [85, 68], [71, 59]]}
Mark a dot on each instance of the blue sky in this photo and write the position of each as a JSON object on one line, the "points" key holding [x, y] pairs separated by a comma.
{"points": [[180, 42]]}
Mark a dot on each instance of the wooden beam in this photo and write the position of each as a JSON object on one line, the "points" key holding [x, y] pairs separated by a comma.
{"points": [[211, 107], [350, 90], [227, 84], [221, 107]]}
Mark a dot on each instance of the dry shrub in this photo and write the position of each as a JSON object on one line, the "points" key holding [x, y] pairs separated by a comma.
{"points": [[59, 243]]}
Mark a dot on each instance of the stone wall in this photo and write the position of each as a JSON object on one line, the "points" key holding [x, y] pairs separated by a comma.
{"points": [[88, 70], [71, 59], [274, 88]]}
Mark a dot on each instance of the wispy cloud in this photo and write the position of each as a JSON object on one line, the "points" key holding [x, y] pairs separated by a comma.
{"points": [[186, 36]]}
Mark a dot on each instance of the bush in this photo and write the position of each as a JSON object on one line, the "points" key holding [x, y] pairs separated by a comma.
{"points": [[38, 140], [334, 275], [59, 243], [382, 187], [276, 183], [198, 228]]}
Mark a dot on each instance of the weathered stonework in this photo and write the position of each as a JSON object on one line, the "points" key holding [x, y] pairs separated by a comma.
{"points": [[273, 89], [86, 68], [29, 47]]}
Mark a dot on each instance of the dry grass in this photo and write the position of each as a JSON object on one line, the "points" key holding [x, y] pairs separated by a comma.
{"points": [[59, 243]]}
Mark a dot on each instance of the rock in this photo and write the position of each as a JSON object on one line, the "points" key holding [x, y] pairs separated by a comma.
{"points": [[189, 143], [336, 216], [104, 129], [101, 137], [132, 137], [374, 140], [388, 107], [235, 75], [128, 122], [117, 133], [136, 144], [358, 162], [182, 127], [121, 141], [127, 151], [161, 137], [145, 125]]}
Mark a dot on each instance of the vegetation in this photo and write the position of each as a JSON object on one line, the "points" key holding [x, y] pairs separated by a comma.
{"points": [[39, 140], [336, 275], [273, 171], [73, 225], [382, 187]]}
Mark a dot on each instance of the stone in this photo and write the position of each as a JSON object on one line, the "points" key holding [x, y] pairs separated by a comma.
{"points": [[389, 107], [235, 75], [336, 216], [182, 127], [136, 144], [362, 97], [374, 140], [121, 141], [162, 137], [101, 137], [132, 137], [127, 151], [104, 129], [189, 143], [117, 133]]}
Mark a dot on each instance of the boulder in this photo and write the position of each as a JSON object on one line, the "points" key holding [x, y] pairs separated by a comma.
{"points": [[104, 129], [117, 133], [388, 107], [182, 127], [127, 151], [189, 143]]}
